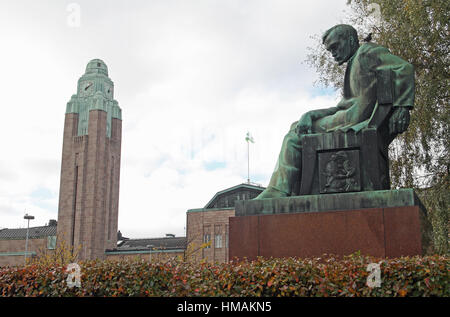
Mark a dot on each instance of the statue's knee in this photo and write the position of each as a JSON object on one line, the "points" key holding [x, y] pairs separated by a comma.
{"points": [[289, 140], [293, 126], [292, 139]]}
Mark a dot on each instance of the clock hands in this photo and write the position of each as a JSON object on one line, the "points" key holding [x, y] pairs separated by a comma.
{"points": [[90, 84]]}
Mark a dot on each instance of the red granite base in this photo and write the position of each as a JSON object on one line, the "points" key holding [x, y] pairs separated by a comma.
{"points": [[381, 232]]}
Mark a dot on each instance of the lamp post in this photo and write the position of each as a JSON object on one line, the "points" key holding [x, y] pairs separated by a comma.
{"points": [[27, 217]]}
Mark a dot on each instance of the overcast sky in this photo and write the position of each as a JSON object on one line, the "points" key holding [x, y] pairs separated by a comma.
{"points": [[191, 76]]}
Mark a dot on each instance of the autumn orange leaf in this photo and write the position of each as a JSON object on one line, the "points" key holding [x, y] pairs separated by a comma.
{"points": [[402, 292]]}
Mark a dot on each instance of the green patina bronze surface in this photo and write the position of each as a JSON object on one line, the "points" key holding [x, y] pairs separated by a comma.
{"points": [[95, 92], [329, 202], [373, 77]]}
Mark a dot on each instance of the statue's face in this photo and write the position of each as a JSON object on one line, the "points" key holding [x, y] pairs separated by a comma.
{"points": [[340, 46]]}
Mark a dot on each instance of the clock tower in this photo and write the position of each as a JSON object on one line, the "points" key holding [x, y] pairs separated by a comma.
{"points": [[90, 166]]}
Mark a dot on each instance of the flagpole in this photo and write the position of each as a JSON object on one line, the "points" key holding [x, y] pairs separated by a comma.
{"points": [[248, 139], [248, 162]]}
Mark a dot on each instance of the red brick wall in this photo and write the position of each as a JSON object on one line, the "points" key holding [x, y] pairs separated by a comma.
{"points": [[70, 146], [115, 143], [91, 219], [213, 222]]}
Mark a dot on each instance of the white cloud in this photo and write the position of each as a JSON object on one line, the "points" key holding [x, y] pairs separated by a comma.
{"points": [[192, 77]]}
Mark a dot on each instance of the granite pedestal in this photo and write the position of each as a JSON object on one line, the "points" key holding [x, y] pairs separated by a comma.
{"points": [[387, 223]]}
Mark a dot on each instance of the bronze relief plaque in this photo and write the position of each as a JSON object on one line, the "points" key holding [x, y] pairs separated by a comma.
{"points": [[339, 171]]}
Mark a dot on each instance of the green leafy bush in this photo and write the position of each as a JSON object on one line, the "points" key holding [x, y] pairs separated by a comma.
{"points": [[325, 276]]}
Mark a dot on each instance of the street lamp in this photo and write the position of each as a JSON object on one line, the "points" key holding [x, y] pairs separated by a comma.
{"points": [[27, 217]]}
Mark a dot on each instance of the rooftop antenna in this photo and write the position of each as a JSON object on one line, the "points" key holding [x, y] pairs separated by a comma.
{"points": [[248, 139]]}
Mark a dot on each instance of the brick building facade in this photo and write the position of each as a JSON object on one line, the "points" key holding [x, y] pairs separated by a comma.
{"points": [[12, 243], [207, 228]]}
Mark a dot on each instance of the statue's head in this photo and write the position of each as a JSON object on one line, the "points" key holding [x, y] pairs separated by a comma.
{"points": [[342, 42]]}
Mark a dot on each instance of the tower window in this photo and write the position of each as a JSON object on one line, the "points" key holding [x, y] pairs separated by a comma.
{"points": [[98, 64]]}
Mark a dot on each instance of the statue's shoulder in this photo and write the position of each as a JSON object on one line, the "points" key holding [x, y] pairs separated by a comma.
{"points": [[370, 49], [369, 53]]}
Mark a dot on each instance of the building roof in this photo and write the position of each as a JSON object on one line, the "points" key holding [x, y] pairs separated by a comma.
{"points": [[21, 233], [256, 189], [149, 244]]}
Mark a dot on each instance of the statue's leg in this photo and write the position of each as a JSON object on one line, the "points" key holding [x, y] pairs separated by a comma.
{"points": [[286, 176]]}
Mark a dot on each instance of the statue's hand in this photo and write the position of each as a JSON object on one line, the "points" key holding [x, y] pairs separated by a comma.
{"points": [[304, 125], [399, 121]]}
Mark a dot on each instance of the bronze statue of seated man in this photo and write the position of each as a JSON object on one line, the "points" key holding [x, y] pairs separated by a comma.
{"points": [[355, 108]]}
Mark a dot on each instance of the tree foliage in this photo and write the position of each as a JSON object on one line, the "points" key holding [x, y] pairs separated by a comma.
{"points": [[62, 255], [417, 31]]}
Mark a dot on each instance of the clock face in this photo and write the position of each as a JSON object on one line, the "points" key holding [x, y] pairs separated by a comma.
{"points": [[87, 88]]}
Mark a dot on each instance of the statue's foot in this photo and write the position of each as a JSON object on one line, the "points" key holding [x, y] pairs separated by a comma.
{"points": [[271, 192]]}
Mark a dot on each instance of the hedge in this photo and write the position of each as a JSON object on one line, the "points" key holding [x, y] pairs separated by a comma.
{"points": [[324, 276]]}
